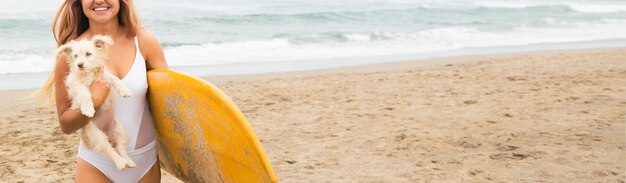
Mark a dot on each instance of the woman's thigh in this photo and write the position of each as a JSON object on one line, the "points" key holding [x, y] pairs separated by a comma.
{"points": [[153, 175], [86, 172]]}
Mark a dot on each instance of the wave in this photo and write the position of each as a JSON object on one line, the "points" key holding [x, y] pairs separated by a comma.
{"points": [[589, 7], [407, 17], [25, 63], [341, 45]]}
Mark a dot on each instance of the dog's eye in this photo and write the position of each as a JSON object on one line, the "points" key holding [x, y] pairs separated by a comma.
{"points": [[88, 54]]}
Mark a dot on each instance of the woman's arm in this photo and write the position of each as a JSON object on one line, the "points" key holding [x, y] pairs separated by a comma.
{"points": [[71, 120], [151, 50]]}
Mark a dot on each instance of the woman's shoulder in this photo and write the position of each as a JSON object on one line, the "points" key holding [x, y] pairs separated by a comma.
{"points": [[149, 46], [146, 37]]}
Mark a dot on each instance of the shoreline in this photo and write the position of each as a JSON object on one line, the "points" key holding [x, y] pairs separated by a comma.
{"points": [[15, 95], [398, 65], [29, 81]]}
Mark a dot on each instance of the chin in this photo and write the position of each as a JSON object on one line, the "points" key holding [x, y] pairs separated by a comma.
{"points": [[103, 20]]}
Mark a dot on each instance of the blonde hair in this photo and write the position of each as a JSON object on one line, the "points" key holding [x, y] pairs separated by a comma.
{"points": [[69, 22]]}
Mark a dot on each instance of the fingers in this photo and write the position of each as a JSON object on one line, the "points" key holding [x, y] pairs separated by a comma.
{"points": [[99, 81], [99, 89]]}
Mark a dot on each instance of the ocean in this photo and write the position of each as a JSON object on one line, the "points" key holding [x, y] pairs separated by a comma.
{"points": [[287, 33]]}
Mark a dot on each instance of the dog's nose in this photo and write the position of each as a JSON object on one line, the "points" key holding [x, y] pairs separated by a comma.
{"points": [[80, 64]]}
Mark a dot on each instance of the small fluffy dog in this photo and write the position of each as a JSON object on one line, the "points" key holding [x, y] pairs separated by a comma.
{"points": [[85, 59]]}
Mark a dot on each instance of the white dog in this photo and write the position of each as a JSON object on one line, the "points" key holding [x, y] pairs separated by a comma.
{"points": [[85, 59]]}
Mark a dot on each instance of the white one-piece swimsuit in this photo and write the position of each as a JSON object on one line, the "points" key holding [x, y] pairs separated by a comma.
{"points": [[134, 114]]}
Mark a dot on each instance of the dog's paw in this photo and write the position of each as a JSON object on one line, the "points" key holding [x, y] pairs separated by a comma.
{"points": [[125, 92], [130, 164], [87, 110], [121, 164]]}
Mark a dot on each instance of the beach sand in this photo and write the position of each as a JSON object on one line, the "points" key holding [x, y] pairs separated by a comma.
{"points": [[556, 116]]}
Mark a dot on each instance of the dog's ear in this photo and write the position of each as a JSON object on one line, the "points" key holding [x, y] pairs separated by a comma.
{"points": [[65, 49], [102, 41]]}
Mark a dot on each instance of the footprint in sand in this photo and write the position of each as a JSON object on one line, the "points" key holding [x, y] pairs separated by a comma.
{"points": [[474, 172], [512, 156], [507, 148]]}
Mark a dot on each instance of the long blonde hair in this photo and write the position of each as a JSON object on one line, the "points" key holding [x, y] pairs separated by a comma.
{"points": [[70, 21]]}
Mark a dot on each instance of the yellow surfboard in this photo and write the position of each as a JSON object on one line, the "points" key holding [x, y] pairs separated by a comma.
{"points": [[202, 135]]}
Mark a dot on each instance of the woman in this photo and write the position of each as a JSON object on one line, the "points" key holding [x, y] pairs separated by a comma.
{"points": [[135, 51]]}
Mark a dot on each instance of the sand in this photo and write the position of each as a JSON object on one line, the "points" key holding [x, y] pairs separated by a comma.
{"points": [[556, 116]]}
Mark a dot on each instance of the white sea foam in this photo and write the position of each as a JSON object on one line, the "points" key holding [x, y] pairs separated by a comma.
{"points": [[10, 64], [599, 8], [440, 39]]}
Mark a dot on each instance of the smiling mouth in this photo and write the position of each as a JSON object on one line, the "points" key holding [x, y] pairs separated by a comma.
{"points": [[99, 9]]}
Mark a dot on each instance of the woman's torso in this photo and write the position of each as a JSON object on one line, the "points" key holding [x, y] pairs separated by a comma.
{"points": [[125, 61]]}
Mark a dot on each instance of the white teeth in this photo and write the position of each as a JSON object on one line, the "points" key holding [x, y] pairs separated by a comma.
{"points": [[100, 9]]}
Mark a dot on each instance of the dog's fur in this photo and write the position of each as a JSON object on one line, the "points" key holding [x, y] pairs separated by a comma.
{"points": [[85, 60]]}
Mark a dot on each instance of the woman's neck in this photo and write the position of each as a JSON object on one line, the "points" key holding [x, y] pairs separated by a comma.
{"points": [[112, 28]]}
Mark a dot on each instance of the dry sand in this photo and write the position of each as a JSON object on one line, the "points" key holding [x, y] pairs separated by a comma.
{"points": [[555, 116]]}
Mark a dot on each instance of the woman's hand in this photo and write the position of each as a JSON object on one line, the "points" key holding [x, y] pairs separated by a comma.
{"points": [[99, 89]]}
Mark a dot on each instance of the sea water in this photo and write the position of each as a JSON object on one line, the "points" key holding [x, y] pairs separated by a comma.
{"points": [[205, 33]]}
